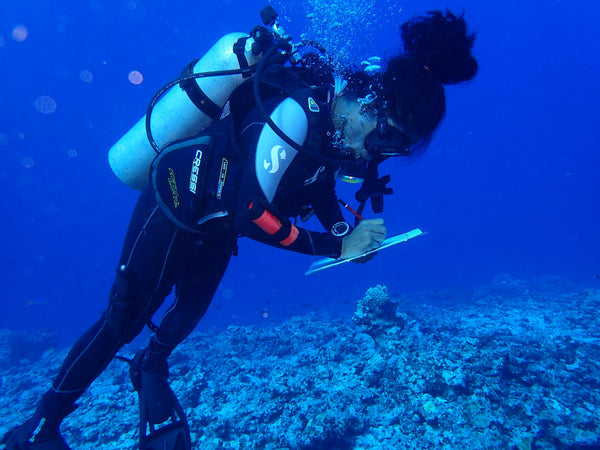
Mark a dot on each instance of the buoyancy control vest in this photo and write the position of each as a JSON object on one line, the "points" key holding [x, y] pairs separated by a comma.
{"points": [[197, 179], [194, 179]]}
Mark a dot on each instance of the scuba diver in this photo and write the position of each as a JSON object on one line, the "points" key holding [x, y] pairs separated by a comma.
{"points": [[277, 140]]}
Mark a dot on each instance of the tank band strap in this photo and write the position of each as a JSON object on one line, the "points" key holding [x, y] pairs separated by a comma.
{"points": [[239, 48], [197, 95]]}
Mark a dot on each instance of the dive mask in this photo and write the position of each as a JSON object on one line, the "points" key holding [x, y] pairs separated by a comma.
{"points": [[387, 140], [381, 143]]}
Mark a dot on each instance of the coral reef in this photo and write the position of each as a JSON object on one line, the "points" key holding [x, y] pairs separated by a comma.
{"points": [[19, 346], [516, 366]]}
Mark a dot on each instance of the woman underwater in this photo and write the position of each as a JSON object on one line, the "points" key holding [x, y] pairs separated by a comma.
{"points": [[185, 242]]}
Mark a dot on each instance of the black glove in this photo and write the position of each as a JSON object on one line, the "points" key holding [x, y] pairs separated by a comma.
{"points": [[374, 188]]}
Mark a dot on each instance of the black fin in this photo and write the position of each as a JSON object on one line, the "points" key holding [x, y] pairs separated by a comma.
{"points": [[174, 432], [171, 435]]}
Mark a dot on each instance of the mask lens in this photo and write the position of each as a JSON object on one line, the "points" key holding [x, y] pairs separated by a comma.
{"points": [[390, 141]]}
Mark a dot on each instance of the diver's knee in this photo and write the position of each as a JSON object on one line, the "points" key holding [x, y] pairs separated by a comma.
{"points": [[120, 322], [120, 315]]}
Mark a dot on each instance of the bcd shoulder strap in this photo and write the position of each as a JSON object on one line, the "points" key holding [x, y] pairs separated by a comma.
{"points": [[282, 81]]}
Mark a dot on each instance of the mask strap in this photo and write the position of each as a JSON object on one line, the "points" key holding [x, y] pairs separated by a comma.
{"points": [[382, 124]]}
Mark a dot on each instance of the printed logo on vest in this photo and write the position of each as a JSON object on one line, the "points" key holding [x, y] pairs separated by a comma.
{"points": [[313, 106], [222, 177], [226, 110], [314, 178], [277, 153], [195, 170], [173, 187]]}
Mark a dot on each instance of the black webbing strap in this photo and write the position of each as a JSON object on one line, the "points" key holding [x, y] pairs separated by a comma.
{"points": [[197, 95], [152, 326], [239, 48]]}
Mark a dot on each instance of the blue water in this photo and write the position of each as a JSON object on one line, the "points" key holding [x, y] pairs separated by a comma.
{"points": [[510, 183]]}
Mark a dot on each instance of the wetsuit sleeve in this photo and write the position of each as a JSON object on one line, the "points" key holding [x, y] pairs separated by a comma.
{"points": [[262, 222], [327, 207], [256, 214]]}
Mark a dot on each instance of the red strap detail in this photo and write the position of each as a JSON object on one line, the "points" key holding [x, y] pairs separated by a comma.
{"points": [[294, 232], [268, 223]]}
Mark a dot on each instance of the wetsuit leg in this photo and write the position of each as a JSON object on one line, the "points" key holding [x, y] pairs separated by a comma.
{"points": [[142, 283], [199, 270], [197, 282], [138, 291]]}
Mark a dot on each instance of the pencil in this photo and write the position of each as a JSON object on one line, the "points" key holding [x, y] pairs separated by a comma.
{"points": [[345, 205]]}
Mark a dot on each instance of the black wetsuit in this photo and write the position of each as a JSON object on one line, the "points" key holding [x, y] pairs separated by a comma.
{"points": [[157, 255]]}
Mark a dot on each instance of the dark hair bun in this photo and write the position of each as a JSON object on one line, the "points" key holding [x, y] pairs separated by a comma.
{"points": [[441, 44]]}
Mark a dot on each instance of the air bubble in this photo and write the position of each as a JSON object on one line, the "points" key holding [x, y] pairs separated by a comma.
{"points": [[135, 77], [86, 76], [27, 162], [45, 104], [20, 33]]}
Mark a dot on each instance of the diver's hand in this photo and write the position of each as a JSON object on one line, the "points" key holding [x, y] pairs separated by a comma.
{"points": [[368, 235]]}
